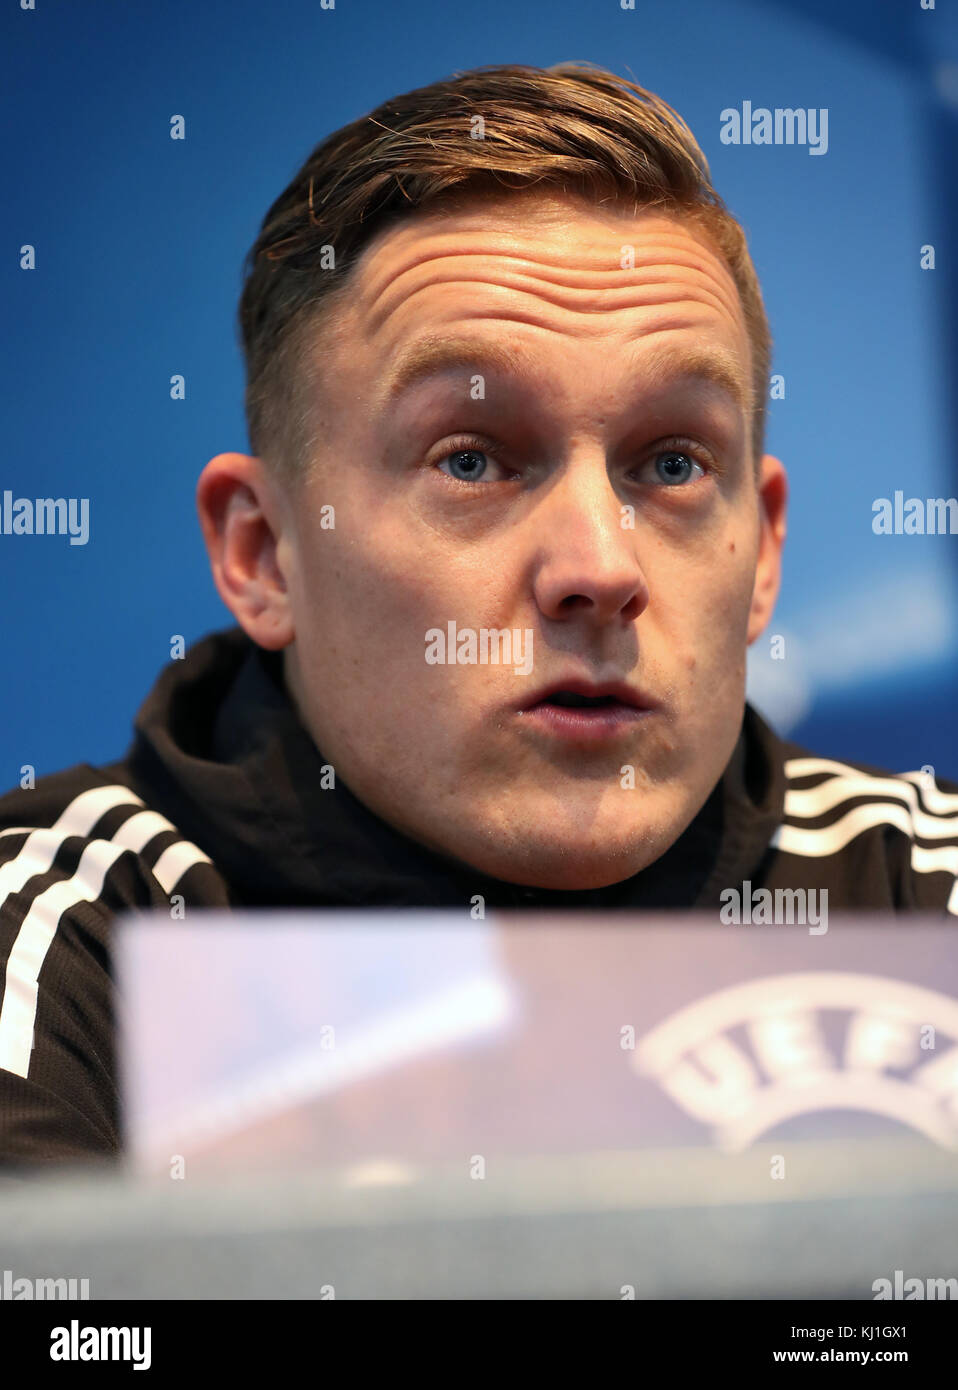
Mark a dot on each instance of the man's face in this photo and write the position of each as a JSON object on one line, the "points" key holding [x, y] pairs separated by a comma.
{"points": [[588, 489]]}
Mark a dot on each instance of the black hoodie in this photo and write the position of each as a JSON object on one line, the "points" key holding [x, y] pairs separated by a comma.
{"points": [[223, 800]]}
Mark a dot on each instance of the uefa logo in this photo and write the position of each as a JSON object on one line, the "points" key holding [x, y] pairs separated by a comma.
{"points": [[747, 1058]]}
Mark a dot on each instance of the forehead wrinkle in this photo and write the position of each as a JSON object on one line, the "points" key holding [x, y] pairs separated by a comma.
{"points": [[689, 254], [670, 247], [587, 303]]}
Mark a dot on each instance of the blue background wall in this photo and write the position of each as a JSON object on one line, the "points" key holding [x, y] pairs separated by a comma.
{"points": [[140, 241]]}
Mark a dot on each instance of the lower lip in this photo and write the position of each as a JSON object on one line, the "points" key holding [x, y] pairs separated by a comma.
{"points": [[579, 724]]}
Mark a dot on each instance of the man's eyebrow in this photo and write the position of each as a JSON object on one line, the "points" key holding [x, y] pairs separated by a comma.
{"points": [[435, 354], [716, 365]]}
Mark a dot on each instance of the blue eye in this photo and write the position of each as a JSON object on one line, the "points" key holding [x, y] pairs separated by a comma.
{"points": [[674, 467], [468, 465]]}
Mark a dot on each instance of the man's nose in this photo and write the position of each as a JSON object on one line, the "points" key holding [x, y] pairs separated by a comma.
{"points": [[587, 555]]}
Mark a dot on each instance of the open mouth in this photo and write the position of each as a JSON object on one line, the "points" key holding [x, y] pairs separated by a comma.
{"points": [[585, 719], [568, 699]]}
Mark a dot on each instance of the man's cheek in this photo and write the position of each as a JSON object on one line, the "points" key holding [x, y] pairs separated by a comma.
{"points": [[378, 602], [708, 655], [725, 600]]}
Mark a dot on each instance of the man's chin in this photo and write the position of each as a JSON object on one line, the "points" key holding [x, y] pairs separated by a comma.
{"points": [[571, 867]]}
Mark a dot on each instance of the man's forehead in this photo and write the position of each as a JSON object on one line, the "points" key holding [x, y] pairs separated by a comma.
{"points": [[473, 287], [578, 250], [476, 285], [544, 223], [557, 261]]}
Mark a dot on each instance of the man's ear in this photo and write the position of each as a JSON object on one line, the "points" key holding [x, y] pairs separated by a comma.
{"points": [[244, 521], [773, 502]]}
